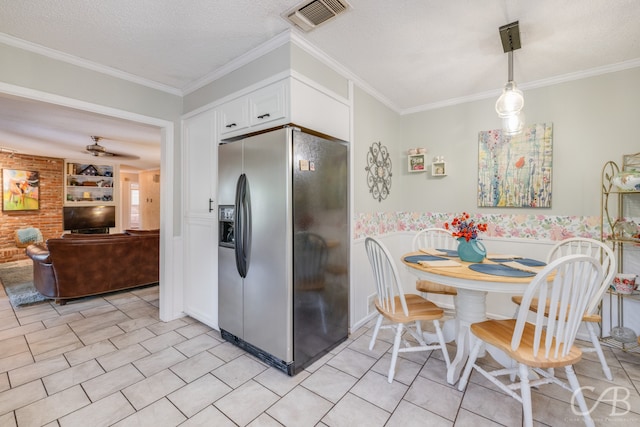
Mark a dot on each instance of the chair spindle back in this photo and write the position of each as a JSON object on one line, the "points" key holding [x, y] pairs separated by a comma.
{"points": [[385, 275], [438, 238], [568, 284], [595, 249]]}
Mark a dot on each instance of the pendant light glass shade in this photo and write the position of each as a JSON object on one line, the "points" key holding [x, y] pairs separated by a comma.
{"points": [[510, 102], [513, 124], [509, 105]]}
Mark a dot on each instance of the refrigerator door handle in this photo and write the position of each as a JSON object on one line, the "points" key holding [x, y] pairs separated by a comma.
{"points": [[243, 226], [246, 226]]}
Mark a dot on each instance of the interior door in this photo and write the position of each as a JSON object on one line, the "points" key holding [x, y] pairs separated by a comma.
{"points": [[149, 207], [200, 218]]}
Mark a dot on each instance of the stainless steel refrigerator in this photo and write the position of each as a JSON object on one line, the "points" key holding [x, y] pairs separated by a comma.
{"points": [[283, 250]]}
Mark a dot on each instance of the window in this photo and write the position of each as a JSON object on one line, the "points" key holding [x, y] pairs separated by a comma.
{"points": [[135, 206]]}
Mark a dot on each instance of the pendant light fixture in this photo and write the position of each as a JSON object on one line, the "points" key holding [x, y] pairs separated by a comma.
{"points": [[509, 105]]}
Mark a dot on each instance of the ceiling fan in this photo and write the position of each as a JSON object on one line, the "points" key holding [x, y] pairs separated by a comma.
{"points": [[98, 150]]}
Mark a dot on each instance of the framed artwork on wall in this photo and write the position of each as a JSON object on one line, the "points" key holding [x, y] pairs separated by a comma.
{"points": [[20, 190], [416, 162], [515, 171]]}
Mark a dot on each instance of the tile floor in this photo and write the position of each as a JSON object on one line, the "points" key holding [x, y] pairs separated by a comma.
{"points": [[109, 361]]}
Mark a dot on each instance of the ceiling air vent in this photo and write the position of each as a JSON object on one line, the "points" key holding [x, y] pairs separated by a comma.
{"points": [[309, 15]]}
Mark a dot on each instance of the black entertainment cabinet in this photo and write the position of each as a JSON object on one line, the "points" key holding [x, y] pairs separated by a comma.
{"points": [[101, 230]]}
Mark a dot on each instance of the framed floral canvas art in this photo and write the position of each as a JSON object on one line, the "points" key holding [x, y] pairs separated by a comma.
{"points": [[20, 190], [515, 171]]}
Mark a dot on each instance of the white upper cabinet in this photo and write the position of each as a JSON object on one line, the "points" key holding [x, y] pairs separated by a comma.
{"points": [[285, 101], [259, 107], [234, 115], [268, 104]]}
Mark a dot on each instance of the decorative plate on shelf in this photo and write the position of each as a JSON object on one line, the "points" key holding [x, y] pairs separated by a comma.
{"points": [[627, 180]]}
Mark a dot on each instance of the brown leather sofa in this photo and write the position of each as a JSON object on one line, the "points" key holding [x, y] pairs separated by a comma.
{"points": [[80, 265]]}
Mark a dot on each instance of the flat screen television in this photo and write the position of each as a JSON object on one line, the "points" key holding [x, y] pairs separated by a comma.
{"points": [[88, 217]]}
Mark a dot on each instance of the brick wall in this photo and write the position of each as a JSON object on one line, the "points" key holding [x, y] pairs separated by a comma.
{"points": [[48, 219]]}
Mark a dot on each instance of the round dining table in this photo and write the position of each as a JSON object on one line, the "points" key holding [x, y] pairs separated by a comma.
{"points": [[471, 301]]}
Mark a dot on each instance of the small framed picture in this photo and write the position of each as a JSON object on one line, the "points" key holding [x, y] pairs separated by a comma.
{"points": [[416, 163], [20, 190], [438, 169]]}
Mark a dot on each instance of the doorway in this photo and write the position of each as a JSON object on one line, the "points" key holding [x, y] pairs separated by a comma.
{"points": [[134, 206], [170, 306]]}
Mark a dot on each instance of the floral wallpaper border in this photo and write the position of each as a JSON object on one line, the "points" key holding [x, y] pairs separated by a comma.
{"points": [[536, 227]]}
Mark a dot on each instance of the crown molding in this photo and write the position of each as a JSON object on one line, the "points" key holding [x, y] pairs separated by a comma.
{"points": [[455, 101], [592, 72], [569, 77], [295, 37], [84, 63], [304, 44], [244, 59], [50, 98]]}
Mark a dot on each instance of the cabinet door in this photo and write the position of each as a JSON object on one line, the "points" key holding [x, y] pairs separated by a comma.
{"points": [[267, 104], [200, 218], [199, 164], [149, 182], [234, 115]]}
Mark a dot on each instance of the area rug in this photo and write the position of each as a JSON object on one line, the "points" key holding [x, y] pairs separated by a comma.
{"points": [[17, 279]]}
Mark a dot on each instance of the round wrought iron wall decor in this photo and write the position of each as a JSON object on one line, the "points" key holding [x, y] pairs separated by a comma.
{"points": [[378, 171]]}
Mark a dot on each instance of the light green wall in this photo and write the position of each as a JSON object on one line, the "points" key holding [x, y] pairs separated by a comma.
{"points": [[374, 122], [271, 63], [305, 64], [450, 132], [593, 122], [34, 71], [286, 57]]}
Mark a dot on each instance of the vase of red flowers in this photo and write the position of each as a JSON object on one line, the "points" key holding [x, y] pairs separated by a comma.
{"points": [[466, 230], [471, 251]]}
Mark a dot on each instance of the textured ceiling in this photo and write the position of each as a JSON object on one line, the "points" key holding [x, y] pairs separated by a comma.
{"points": [[412, 54]]}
